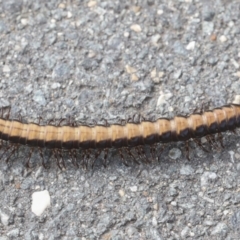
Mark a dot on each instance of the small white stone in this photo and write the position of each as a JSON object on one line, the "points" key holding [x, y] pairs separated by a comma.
{"points": [[134, 77], [130, 69], [6, 69], [24, 21], [237, 99], [223, 38], [163, 97], [153, 73], [154, 221], [40, 201], [92, 3], [231, 24], [55, 85], [160, 74], [133, 188], [191, 45], [237, 74], [155, 38], [62, 5], [136, 28], [160, 12], [4, 218], [69, 14], [121, 192], [126, 34]]}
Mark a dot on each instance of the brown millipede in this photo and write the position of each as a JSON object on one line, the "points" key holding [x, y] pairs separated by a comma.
{"points": [[163, 130]]}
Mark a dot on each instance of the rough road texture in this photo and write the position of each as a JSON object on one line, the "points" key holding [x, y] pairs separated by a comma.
{"points": [[112, 59]]}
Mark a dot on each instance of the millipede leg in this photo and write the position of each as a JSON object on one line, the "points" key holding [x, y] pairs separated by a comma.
{"points": [[51, 121], [187, 150], [233, 131], [161, 150], [60, 121], [153, 151], [15, 148], [123, 122], [20, 117], [28, 159], [41, 154], [122, 157], [89, 153], [6, 150], [59, 151], [132, 156], [105, 157], [220, 139], [86, 158], [198, 142], [210, 140], [96, 157], [73, 156], [83, 157], [142, 154], [39, 120], [8, 113], [55, 153]]}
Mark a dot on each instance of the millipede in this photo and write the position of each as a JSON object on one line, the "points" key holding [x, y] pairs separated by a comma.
{"points": [[71, 137]]}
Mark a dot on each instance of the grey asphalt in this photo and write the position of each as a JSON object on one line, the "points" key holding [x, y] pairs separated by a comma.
{"points": [[95, 60]]}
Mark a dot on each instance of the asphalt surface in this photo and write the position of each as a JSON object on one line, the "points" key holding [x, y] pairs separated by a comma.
{"points": [[95, 60]]}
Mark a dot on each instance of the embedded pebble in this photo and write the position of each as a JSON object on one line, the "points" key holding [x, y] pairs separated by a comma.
{"points": [[14, 233], [221, 229], [223, 38], [185, 232], [155, 38], [4, 103], [186, 170], [40, 201], [62, 5], [237, 74], [92, 3], [55, 85], [6, 69], [207, 178], [136, 28], [191, 45], [134, 188], [174, 153], [38, 97], [163, 98], [130, 69], [134, 77], [24, 21], [235, 63], [12, 6], [207, 27], [179, 48], [235, 220], [236, 99], [121, 192], [177, 74], [4, 218]]}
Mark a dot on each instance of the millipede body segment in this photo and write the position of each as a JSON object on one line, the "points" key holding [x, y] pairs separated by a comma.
{"points": [[163, 130]]}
